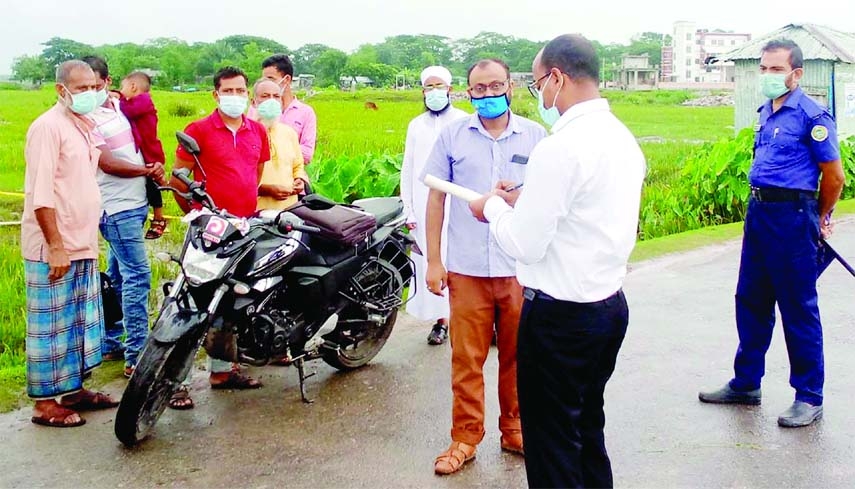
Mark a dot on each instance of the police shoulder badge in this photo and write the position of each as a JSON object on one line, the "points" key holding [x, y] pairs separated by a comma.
{"points": [[819, 133]]}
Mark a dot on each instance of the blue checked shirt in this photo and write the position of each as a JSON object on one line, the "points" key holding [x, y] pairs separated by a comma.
{"points": [[466, 154]]}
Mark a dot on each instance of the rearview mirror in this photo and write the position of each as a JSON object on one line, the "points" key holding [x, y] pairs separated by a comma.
{"points": [[188, 143]]}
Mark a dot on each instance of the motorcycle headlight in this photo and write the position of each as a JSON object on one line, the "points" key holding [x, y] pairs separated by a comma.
{"points": [[200, 268]]}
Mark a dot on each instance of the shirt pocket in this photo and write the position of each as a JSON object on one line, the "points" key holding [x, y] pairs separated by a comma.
{"points": [[785, 141], [252, 154]]}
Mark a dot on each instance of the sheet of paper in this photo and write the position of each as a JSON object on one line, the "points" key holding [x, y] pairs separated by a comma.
{"points": [[449, 188]]}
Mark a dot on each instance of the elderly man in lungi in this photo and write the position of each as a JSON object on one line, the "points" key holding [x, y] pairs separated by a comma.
{"points": [[59, 242]]}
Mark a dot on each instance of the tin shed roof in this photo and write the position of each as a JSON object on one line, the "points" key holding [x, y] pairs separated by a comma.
{"points": [[817, 42]]}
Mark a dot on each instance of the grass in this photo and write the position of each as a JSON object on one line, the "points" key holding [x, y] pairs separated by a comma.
{"points": [[345, 128]]}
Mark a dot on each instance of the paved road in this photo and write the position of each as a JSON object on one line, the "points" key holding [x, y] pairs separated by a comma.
{"points": [[382, 426]]}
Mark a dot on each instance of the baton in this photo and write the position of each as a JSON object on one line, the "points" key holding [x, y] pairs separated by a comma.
{"points": [[834, 255]]}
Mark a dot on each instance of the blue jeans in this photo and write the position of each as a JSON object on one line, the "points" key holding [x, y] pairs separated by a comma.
{"points": [[779, 265], [129, 270]]}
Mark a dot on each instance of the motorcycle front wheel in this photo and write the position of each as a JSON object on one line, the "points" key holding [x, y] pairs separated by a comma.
{"points": [[161, 369], [353, 355]]}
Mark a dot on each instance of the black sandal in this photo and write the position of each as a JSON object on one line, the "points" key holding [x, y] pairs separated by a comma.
{"points": [[438, 333]]}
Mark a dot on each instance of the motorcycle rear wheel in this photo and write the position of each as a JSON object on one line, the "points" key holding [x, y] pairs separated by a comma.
{"points": [[161, 369], [353, 356]]}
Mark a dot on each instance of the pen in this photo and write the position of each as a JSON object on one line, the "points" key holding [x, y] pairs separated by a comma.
{"points": [[513, 187]]}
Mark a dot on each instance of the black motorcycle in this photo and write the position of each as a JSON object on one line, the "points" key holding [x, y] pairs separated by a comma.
{"points": [[318, 280]]}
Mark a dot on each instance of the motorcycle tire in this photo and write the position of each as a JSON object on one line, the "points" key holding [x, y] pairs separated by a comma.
{"points": [[161, 369], [347, 358]]}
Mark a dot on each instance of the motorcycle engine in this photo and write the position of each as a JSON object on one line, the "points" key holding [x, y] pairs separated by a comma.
{"points": [[272, 331]]}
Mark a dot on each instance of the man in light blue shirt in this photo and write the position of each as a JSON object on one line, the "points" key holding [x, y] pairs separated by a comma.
{"points": [[477, 152]]}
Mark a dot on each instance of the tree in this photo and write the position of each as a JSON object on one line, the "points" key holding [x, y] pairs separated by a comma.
{"points": [[58, 50], [238, 44], [177, 62], [329, 67], [649, 43], [249, 60], [31, 68], [408, 51], [304, 59], [517, 53]]}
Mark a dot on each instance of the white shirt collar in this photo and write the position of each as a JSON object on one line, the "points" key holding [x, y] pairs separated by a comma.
{"points": [[579, 110]]}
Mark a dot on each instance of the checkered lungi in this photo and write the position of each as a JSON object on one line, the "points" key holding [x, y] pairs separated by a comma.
{"points": [[64, 328]]}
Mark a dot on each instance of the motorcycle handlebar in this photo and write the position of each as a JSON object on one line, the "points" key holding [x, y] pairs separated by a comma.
{"points": [[286, 226], [195, 190], [182, 177]]}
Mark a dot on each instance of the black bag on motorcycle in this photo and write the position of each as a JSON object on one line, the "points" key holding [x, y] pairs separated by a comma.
{"points": [[110, 304], [340, 223]]}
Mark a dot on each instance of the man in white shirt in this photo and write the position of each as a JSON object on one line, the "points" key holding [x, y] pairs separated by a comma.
{"points": [[571, 232], [421, 136]]}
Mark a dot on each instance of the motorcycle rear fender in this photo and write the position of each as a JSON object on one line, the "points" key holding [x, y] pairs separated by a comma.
{"points": [[175, 322]]}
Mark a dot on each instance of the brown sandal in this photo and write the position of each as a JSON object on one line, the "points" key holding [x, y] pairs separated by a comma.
{"points": [[156, 229], [56, 417], [453, 459], [181, 400], [237, 381], [91, 401]]}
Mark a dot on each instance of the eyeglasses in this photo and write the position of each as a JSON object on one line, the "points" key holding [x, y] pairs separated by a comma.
{"points": [[532, 87], [434, 86], [496, 87]]}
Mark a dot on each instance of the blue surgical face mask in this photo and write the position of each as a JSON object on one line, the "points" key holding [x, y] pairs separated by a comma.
{"points": [[270, 109], [81, 103], [436, 100], [492, 107], [100, 97], [551, 115], [233, 105]]}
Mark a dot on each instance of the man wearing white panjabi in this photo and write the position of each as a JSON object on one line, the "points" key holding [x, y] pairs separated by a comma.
{"points": [[421, 136]]}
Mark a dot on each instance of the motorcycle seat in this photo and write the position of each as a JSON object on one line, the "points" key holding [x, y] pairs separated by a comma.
{"points": [[384, 209]]}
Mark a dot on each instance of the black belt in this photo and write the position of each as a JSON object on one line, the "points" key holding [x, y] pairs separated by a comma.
{"points": [[533, 294], [775, 194]]}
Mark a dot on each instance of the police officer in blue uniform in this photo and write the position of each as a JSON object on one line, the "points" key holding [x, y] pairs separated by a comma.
{"points": [[796, 142]]}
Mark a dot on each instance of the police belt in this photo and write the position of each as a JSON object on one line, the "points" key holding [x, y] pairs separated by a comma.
{"points": [[776, 194]]}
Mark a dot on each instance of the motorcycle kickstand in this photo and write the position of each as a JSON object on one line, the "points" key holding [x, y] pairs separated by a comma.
{"points": [[303, 377]]}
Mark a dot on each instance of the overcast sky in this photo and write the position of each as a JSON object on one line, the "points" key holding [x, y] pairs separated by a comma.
{"points": [[345, 24]]}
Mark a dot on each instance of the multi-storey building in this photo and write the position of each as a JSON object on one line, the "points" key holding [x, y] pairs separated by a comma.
{"points": [[694, 54]]}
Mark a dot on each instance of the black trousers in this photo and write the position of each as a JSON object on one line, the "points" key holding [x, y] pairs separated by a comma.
{"points": [[566, 353], [152, 193]]}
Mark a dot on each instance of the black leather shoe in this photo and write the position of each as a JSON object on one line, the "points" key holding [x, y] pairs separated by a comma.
{"points": [[800, 414], [726, 395]]}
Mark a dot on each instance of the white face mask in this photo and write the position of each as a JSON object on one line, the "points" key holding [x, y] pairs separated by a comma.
{"points": [[80, 103], [233, 105], [437, 99], [100, 97]]}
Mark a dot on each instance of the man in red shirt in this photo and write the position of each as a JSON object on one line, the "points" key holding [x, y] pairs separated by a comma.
{"points": [[234, 148], [233, 152]]}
